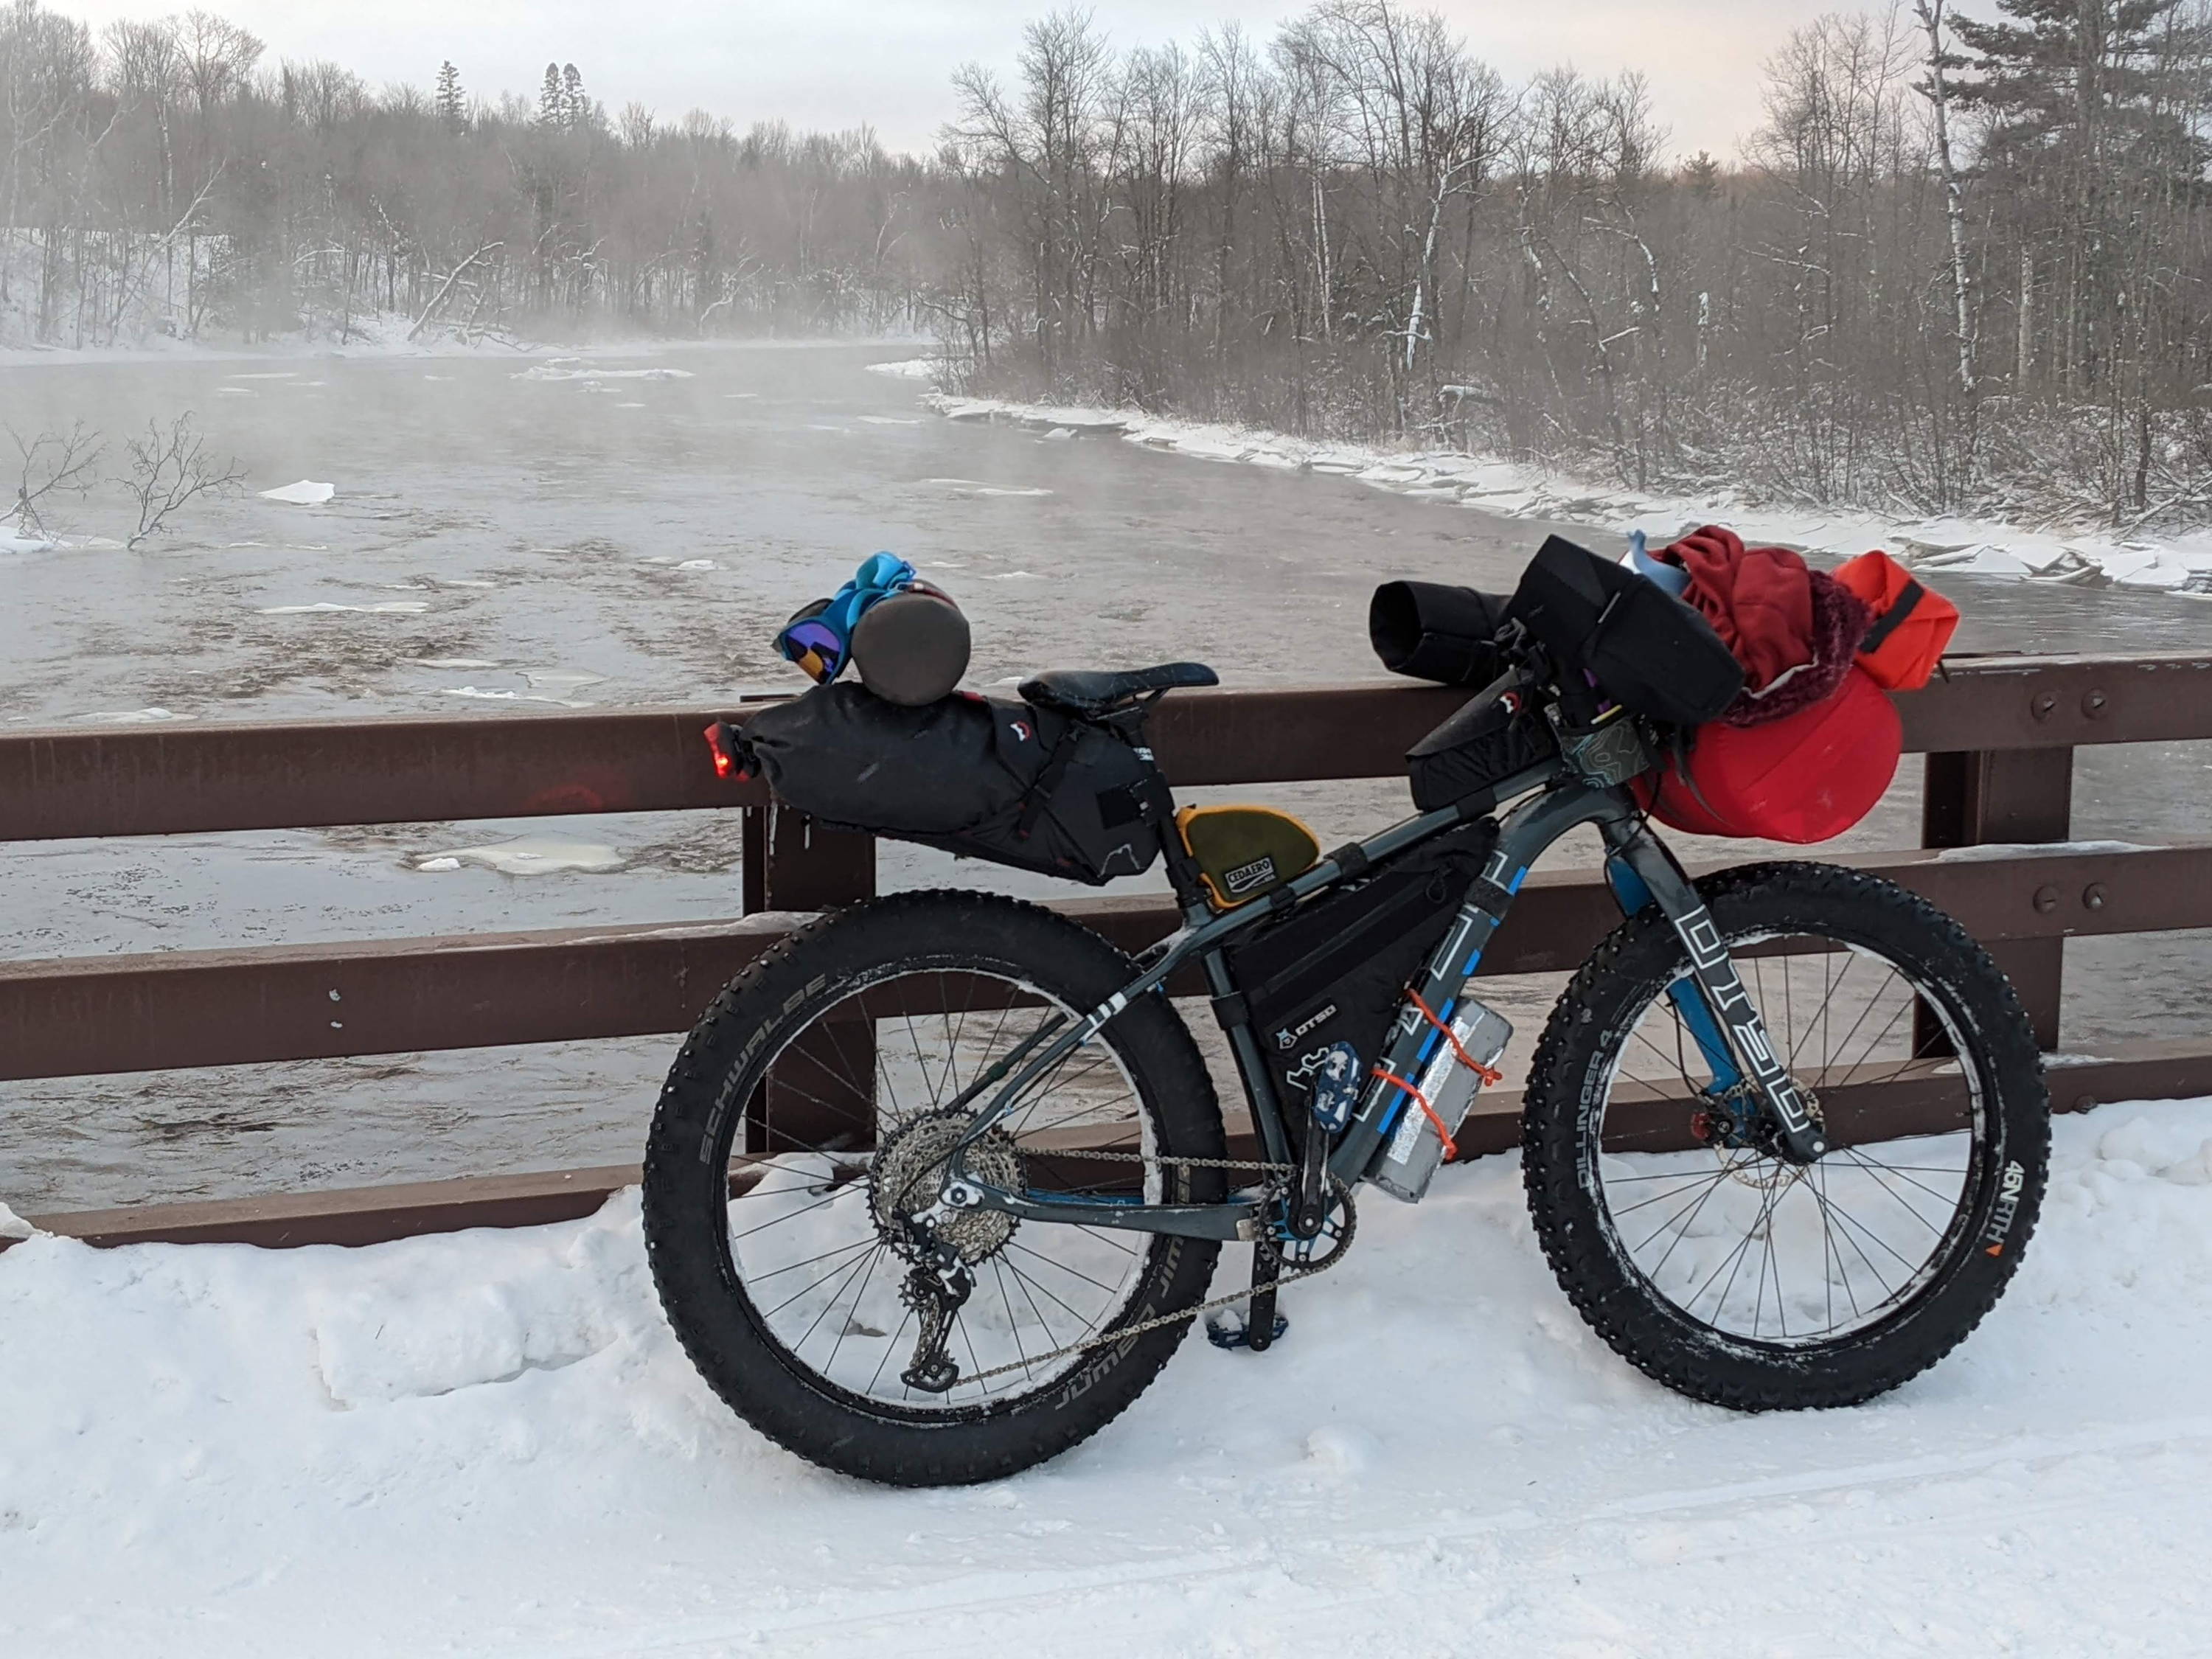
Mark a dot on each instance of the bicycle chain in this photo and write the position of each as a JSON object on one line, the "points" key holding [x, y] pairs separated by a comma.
{"points": [[1107, 1338]]}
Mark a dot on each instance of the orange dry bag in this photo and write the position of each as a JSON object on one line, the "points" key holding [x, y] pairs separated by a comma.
{"points": [[1912, 624]]}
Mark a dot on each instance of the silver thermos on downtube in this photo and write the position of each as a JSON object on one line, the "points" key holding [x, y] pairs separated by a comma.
{"points": [[1443, 1049]]}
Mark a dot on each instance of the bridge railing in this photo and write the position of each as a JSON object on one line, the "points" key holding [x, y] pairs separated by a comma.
{"points": [[1999, 735]]}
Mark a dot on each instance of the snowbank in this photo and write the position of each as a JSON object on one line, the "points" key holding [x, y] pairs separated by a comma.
{"points": [[2180, 564], [377, 334], [489, 1444], [909, 368]]}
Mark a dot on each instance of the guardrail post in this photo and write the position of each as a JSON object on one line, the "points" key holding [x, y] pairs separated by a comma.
{"points": [[822, 1089], [1976, 796]]}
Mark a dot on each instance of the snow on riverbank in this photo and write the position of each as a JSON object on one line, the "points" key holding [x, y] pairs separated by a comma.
{"points": [[2093, 558], [489, 1444], [385, 334]]}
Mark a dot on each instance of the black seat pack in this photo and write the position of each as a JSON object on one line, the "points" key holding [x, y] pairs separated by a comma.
{"points": [[980, 776], [1433, 631], [1648, 651], [1333, 969]]}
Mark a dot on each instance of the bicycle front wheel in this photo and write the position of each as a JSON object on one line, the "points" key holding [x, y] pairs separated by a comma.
{"points": [[1700, 1253]]}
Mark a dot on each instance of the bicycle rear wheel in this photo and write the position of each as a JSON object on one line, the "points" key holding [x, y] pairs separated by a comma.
{"points": [[1711, 1262], [808, 1120]]}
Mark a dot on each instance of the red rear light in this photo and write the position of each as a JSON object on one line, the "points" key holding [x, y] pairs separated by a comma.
{"points": [[717, 735]]}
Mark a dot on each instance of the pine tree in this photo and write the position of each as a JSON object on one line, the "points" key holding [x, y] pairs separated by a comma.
{"points": [[2075, 84], [552, 100], [2084, 154], [452, 108], [576, 109]]}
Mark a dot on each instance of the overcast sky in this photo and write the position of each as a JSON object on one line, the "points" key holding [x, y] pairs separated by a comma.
{"points": [[840, 63]]}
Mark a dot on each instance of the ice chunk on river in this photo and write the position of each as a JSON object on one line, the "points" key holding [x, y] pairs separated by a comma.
{"points": [[156, 716], [560, 368], [305, 492], [533, 856], [390, 608]]}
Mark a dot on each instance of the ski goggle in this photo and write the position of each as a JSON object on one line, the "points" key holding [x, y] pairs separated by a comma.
{"points": [[813, 644]]}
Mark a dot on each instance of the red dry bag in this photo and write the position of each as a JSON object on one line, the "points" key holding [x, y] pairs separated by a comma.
{"points": [[1802, 778]]}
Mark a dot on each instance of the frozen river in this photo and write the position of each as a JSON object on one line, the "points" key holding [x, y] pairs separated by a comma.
{"points": [[627, 531]]}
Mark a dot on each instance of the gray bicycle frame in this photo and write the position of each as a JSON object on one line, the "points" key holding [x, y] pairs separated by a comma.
{"points": [[1734, 1046]]}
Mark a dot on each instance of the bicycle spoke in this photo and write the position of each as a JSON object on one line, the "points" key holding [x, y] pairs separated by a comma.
{"points": [[1051, 1261], [1758, 1263], [1031, 1311], [859, 1296], [777, 1221]]}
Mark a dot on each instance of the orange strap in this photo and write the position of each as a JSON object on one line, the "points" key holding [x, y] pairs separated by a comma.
{"points": [[1451, 1147], [1491, 1076]]}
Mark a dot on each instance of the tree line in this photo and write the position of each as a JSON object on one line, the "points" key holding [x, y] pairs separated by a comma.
{"points": [[1962, 265]]}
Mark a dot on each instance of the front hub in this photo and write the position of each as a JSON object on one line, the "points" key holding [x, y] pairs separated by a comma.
{"points": [[1738, 1121]]}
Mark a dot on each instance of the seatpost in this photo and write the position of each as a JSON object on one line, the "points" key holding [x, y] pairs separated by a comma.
{"points": [[1159, 807]]}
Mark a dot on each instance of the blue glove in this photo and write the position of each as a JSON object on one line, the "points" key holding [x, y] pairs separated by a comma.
{"points": [[820, 639]]}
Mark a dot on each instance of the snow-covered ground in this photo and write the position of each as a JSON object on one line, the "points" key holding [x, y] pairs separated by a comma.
{"points": [[489, 1444], [2080, 556], [382, 334]]}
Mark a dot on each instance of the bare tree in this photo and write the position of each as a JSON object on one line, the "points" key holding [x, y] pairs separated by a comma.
{"points": [[1937, 90], [170, 467], [1351, 228], [51, 463]]}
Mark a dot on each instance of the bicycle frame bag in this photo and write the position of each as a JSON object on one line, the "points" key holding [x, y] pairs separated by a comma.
{"points": [[1431, 631], [1495, 736], [1912, 624], [972, 775], [1322, 985], [1645, 649], [1803, 778]]}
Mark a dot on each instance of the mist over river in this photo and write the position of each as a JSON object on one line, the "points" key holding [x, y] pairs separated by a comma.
{"points": [[506, 537]]}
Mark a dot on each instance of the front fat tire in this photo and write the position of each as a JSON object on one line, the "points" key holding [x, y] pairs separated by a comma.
{"points": [[1571, 1075], [686, 1206]]}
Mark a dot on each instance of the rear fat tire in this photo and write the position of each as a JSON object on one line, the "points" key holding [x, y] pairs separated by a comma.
{"points": [[699, 1117], [1567, 1089]]}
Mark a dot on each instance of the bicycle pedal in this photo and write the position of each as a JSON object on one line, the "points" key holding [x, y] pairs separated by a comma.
{"points": [[1229, 1330]]}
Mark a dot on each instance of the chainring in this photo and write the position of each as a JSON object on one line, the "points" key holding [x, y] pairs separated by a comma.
{"points": [[1293, 1255]]}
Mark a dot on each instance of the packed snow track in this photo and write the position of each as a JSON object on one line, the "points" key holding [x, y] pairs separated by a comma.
{"points": [[489, 1444]]}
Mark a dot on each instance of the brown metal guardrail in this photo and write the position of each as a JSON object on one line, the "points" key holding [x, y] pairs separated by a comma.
{"points": [[1999, 734]]}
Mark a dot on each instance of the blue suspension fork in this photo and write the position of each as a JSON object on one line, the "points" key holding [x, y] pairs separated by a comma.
{"points": [[1687, 996], [1712, 998]]}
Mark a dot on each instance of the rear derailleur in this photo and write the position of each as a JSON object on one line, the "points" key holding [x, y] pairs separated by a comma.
{"points": [[936, 1287]]}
